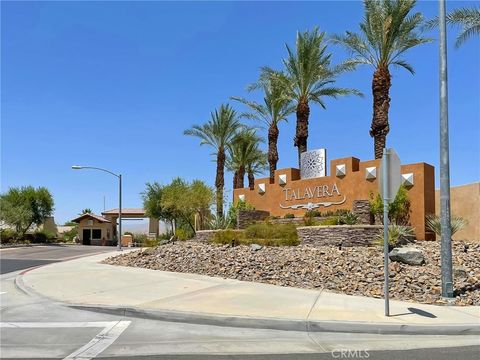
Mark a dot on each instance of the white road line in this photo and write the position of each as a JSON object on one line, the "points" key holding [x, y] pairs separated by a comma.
{"points": [[78, 324], [110, 332], [99, 343]]}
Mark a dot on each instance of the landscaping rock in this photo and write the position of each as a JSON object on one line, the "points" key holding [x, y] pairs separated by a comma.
{"points": [[255, 247], [407, 255], [351, 270], [460, 272]]}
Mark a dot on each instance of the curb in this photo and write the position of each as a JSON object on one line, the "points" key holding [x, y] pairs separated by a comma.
{"points": [[261, 323], [283, 324]]}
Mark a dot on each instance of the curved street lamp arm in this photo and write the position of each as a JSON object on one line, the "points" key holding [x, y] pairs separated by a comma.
{"points": [[97, 168]]}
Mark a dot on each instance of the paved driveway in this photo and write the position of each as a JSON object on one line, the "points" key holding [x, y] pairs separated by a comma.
{"points": [[15, 259]]}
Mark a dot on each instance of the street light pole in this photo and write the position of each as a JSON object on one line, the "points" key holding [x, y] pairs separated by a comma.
{"points": [[119, 177], [446, 232]]}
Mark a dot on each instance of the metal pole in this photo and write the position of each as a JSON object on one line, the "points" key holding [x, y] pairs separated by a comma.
{"points": [[446, 232], [385, 196], [119, 244]]}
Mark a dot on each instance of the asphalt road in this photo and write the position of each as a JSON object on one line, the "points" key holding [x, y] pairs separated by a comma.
{"points": [[34, 327], [21, 258]]}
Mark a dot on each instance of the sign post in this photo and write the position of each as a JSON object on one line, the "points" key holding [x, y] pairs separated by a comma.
{"points": [[389, 182]]}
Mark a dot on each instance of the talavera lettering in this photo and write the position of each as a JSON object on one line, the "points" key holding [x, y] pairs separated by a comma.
{"points": [[311, 192]]}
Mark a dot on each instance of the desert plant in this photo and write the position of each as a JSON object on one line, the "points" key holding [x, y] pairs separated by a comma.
{"points": [[348, 218], [7, 236], [309, 219], [467, 18], [43, 236], [397, 235], [276, 107], [22, 207], [244, 154], [289, 216], [398, 209], [220, 222], [456, 224], [218, 133], [309, 78], [271, 234], [226, 237], [387, 31], [331, 220], [183, 234], [313, 213], [233, 211]]}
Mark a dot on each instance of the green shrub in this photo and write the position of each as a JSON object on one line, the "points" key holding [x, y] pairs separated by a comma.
{"points": [[331, 220], [70, 234], [183, 234], [313, 213], [227, 237], [289, 216], [397, 234], [231, 218], [7, 236], [260, 233], [271, 234], [348, 218], [398, 209]]}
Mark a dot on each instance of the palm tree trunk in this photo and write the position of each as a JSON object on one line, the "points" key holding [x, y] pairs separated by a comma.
{"points": [[272, 150], [240, 177], [235, 180], [301, 135], [251, 180], [381, 104], [220, 180]]}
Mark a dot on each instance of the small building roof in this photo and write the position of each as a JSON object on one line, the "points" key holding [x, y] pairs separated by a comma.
{"points": [[125, 211], [93, 216]]}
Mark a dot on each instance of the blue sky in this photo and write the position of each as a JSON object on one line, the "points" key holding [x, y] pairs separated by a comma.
{"points": [[114, 84]]}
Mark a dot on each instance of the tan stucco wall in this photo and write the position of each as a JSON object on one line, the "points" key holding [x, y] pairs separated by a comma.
{"points": [[106, 228], [354, 186], [464, 202]]}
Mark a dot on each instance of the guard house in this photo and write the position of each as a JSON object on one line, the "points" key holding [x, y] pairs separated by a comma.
{"points": [[102, 230]]}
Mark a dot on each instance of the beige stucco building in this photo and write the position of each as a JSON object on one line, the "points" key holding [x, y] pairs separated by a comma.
{"points": [[102, 230], [464, 202]]}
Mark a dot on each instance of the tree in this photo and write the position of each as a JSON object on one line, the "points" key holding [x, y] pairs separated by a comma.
{"points": [[467, 18], [22, 207], [256, 165], [387, 32], [309, 77], [242, 152], [184, 200], [152, 202], [276, 107], [86, 211], [218, 132]]}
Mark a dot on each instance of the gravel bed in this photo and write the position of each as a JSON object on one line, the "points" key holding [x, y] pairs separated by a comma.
{"points": [[353, 270]]}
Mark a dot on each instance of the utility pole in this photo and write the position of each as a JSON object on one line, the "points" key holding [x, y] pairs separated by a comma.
{"points": [[446, 231]]}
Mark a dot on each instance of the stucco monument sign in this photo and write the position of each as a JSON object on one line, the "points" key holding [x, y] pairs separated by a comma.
{"points": [[349, 179]]}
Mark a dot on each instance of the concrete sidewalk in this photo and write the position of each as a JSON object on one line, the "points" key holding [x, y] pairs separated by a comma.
{"points": [[201, 299]]}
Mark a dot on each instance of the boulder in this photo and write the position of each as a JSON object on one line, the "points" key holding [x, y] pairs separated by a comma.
{"points": [[407, 255], [255, 247], [460, 272]]}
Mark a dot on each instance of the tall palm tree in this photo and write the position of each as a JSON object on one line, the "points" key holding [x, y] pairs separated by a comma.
{"points": [[242, 152], [467, 18], [387, 32], [218, 132], [276, 107], [256, 164], [86, 211], [309, 77]]}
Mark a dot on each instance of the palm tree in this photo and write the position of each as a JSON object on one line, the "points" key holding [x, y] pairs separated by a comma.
{"points": [[242, 153], [276, 107], [309, 77], [86, 211], [218, 132], [256, 164], [387, 32], [467, 18]]}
